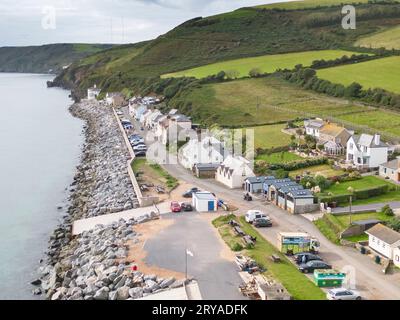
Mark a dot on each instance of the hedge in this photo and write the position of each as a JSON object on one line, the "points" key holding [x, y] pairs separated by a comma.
{"points": [[343, 199], [301, 164]]}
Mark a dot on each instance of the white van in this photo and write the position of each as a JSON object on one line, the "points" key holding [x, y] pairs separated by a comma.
{"points": [[251, 215]]}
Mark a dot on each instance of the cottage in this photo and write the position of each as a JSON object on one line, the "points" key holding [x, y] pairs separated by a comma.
{"points": [[93, 93], [384, 241], [390, 170], [367, 151], [209, 150], [204, 202], [333, 137], [313, 127], [255, 184], [300, 201], [234, 171]]}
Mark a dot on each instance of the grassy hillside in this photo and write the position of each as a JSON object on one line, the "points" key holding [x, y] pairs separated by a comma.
{"points": [[250, 102], [265, 64], [381, 73], [45, 59], [387, 38], [307, 4], [247, 32]]}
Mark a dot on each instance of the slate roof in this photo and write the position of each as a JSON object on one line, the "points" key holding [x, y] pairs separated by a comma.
{"points": [[368, 140], [301, 193], [384, 234], [394, 164]]}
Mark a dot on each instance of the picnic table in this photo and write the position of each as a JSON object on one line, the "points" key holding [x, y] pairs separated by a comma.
{"points": [[239, 231]]}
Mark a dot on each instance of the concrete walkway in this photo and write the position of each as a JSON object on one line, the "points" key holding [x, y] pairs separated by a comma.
{"points": [[82, 225], [367, 207]]}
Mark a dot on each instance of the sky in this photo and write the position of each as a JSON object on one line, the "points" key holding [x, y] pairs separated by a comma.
{"points": [[36, 22]]}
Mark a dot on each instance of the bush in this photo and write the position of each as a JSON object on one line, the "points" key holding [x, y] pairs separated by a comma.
{"points": [[237, 247], [387, 211]]}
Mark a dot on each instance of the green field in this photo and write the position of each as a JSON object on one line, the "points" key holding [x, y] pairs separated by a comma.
{"points": [[296, 283], [321, 170], [381, 73], [270, 136], [250, 102], [387, 38], [279, 157], [292, 5], [268, 63]]}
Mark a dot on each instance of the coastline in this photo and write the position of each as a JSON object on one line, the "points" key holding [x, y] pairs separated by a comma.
{"points": [[96, 265]]}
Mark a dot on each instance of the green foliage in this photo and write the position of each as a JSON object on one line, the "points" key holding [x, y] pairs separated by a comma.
{"points": [[387, 211], [394, 224]]}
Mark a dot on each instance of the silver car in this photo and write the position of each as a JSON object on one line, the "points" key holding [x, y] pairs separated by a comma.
{"points": [[343, 294]]}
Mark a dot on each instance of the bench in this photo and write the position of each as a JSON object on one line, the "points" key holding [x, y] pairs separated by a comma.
{"points": [[239, 231], [248, 240], [275, 258]]}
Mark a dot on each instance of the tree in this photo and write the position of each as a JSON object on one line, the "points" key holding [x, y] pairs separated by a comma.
{"points": [[311, 141], [232, 74], [353, 90], [221, 75]]}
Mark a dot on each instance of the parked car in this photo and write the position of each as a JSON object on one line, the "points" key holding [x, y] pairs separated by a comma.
{"points": [[313, 265], [140, 147], [343, 294], [137, 143], [186, 207], [128, 126], [305, 257], [120, 113], [189, 193], [140, 153], [135, 136], [262, 223], [176, 207], [251, 215]]}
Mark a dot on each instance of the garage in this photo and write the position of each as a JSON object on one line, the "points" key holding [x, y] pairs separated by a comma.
{"points": [[204, 202]]}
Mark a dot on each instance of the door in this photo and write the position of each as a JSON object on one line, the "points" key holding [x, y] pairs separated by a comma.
{"points": [[211, 205]]}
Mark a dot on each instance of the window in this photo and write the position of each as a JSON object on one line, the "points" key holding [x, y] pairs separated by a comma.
{"points": [[351, 146], [373, 239], [398, 258]]}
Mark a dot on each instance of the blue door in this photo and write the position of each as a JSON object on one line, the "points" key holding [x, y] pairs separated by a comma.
{"points": [[211, 206]]}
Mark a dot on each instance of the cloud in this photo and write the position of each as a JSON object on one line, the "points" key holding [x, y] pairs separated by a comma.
{"points": [[105, 21]]}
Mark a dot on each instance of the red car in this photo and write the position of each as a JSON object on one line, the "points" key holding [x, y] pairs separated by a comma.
{"points": [[175, 207]]}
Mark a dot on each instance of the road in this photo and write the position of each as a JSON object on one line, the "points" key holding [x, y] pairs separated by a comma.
{"points": [[367, 276], [218, 278]]}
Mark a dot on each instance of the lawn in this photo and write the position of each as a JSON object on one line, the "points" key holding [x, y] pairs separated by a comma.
{"points": [[361, 184], [279, 157], [266, 64], [387, 38], [154, 173], [297, 284], [270, 136], [381, 73], [332, 226], [321, 170]]}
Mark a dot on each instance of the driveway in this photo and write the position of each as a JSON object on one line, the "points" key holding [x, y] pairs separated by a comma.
{"points": [[217, 277], [367, 207]]}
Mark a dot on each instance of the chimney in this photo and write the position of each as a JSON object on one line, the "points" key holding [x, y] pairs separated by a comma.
{"points": [[377, 139]]}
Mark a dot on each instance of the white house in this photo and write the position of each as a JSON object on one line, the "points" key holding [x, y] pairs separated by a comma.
{"points": [[175, 128], [367, 151], [384, 241], [115, 99], [204, 202], [93, 93], [234, 171], [207, 151], [390, 170], [313, 127]]}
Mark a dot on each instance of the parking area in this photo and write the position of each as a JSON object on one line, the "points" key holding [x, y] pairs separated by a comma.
{"points": [[212, 263]]}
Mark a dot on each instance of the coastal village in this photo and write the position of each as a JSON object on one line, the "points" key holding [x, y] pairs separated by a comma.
{"points": [[311, 221]]}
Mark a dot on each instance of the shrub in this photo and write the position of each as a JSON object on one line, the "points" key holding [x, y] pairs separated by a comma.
{"points": [[387, 211], [237, 247]]}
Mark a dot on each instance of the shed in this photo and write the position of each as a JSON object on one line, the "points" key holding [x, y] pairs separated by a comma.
{"points": [[255, 184], [204, 202], [206, 170]]}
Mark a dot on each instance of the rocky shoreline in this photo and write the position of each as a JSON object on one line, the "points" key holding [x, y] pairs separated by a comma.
{"points": [[94, 265]]}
